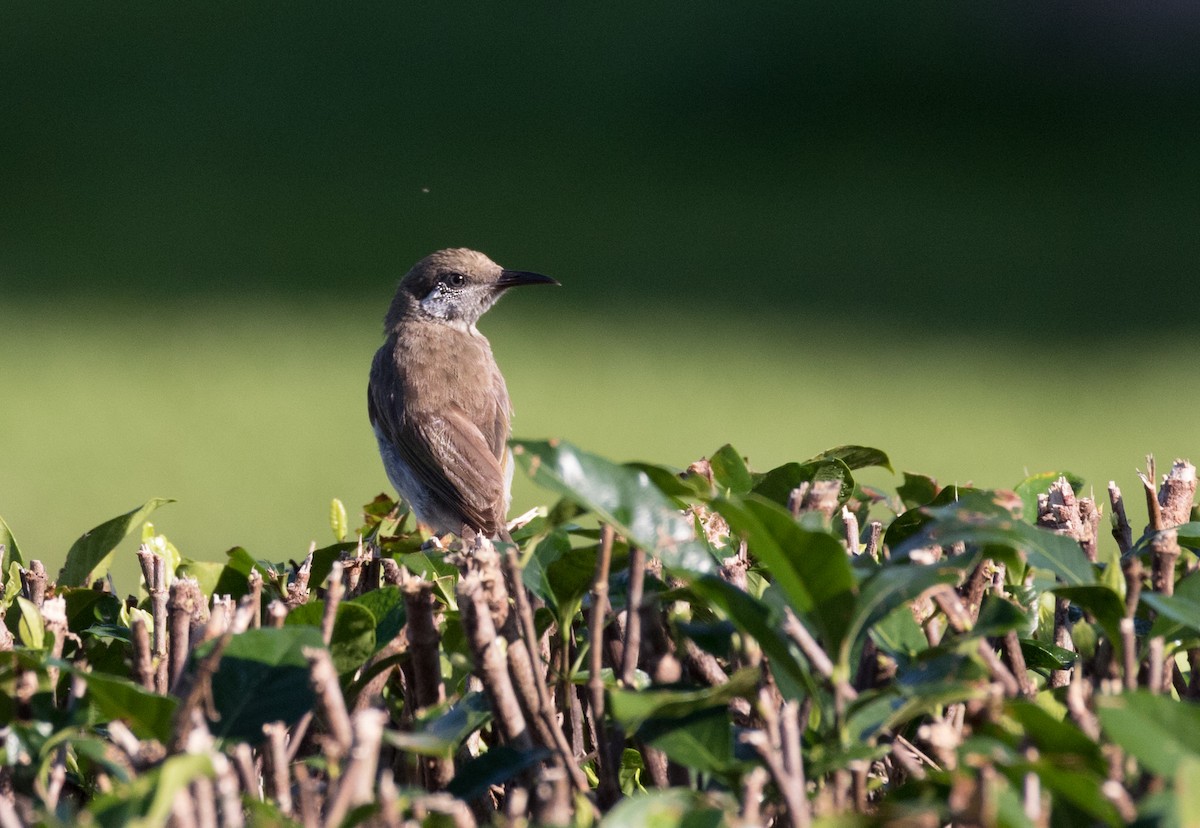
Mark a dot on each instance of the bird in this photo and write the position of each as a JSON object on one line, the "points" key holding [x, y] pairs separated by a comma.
{"points": [[437, 401]]}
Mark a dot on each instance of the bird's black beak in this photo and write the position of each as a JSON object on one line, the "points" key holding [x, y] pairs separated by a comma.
{"points": [[513, 278]]}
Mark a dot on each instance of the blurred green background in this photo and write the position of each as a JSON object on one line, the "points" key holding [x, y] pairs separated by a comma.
{"points": [[966, 234]]}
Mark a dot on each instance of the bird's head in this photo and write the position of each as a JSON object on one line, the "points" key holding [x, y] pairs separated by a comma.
{"points": [[456, 286]]}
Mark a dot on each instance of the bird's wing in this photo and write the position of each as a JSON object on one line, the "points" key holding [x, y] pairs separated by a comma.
{"points": [[458, 456], [451, 456]]}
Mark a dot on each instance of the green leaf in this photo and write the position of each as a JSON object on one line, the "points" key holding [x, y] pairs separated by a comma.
{"points": [[31, 628], [560, 574], [1181, 610], [323, 560], [1189, 535], [1159, 731], [855, 457], [917, 490], [208, 575], [1105, 605], [753, 617], [670, 481], [777, 484], [262, 677], [729, 470], [1042, 656], [1055, 736], [440, 731], [88, 607], [12, 551], [997, 616], [91, 552], [633, 707], [620, 496], [338, 521], [671, 808], [386, 604], [1187, 791], [702, 740], [147, 800], [498, 765], [884, 591], [148, 715], [811, 567], [353, 640]]}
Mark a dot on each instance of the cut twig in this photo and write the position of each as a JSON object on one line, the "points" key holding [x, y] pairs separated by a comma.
{"points": [[490, 663], [329, 699], [333, 598], [1121, 530], [143, 660], [1177, 494], [183, 604], [33, 583], [633, 617], [606, 768], [275, 767], [356, 785]]}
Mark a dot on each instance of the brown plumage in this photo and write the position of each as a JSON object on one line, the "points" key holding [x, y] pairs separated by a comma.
{"points": [[436, 397]]}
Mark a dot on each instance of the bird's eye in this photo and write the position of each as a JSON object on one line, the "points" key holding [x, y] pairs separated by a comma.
{"points": [[456, 280]]}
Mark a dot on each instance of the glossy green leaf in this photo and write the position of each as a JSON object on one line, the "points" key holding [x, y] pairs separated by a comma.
{"points": [[353, 640], [884, 591], [495, 767], [917, 490], [855, 457], [729, 470], [899, 635], [670, 481], [440, 731], [91, 552], [386, 604], [262, 677], [620, 496], [148, 715], [1177, 612], [1159, 731], [208, 575], [1189, 535], [633, 707], [12, 550], [997, 616], [1046, 657], [753, 617], [88, 607], [701, 740], [1105, 606], [323, 560], [811, 567], [777, 484], [31, 628]]}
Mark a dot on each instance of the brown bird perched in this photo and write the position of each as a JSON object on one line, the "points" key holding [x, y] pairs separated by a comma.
{"points": [[436, 397]]}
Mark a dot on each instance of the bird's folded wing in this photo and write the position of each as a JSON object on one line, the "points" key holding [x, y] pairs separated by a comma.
{"points": [[450, 455]]}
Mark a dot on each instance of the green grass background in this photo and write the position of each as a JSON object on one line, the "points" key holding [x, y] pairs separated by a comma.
{"points": [[253, 416], [963, 234]]}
